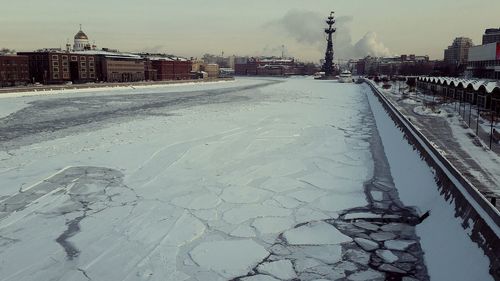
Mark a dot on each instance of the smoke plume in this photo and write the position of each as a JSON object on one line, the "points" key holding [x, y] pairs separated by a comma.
{"points": [[305, 27]]}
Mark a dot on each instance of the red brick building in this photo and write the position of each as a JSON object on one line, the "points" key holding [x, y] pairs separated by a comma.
{"points": [[168, 68], [150, 74], [14, 70], [57, 67]]}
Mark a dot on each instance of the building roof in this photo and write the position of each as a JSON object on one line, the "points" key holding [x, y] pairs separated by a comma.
{"points": [[108, 54], [487, 85], [166, 58]]}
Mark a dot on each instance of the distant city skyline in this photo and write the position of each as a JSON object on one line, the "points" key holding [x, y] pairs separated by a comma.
{"points": [[195, 27]]}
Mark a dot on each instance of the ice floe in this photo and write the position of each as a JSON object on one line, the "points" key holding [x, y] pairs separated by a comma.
{"points": [[229, 258], [316, 233]]}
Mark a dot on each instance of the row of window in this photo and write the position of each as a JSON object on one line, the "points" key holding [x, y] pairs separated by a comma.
{"points": [[73, 58], [65, 75], [65, 63], [484, 63]]}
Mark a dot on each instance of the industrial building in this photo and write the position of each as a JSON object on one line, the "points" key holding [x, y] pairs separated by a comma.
{"points": [[484, 61], [483, 93]]}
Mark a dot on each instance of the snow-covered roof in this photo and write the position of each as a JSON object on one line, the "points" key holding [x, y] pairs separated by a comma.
{"points": [[160, 58], [166, 58], [109, 54], [487, 85]]}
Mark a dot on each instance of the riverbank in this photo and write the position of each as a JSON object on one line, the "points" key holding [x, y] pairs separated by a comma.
{"points": [[45, 88]]}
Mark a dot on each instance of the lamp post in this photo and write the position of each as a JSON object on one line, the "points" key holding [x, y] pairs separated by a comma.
{"points": [[477, 121]]}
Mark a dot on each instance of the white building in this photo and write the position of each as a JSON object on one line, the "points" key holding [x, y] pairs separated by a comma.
{"points": [[484, 61]]}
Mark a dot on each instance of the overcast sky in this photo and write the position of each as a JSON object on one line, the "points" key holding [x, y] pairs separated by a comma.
{"points": [[249, 27]]}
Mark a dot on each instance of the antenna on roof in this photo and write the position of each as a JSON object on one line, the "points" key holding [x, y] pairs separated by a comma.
{"points": [[80, 26]]}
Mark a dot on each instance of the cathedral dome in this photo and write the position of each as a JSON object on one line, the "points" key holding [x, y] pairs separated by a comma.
{"points": [[81, 35]]}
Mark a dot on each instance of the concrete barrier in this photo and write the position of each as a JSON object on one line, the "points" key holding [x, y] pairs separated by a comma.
{"points": [[475, 211]]}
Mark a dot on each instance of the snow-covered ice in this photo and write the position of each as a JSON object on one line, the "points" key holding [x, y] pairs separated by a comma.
{"points": [[229, 258], [400, 245], [367, 245], [193, 170], [282, 269], [365, 275], [315, 233], [188, 182], [387, 256]]}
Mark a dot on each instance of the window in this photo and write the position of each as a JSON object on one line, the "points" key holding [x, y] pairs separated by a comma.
{"points": [[74, 58], [65, 63], [64, 57], [55, 76], [84, 75], [82, 58], [92, 75], [65, 69], [91, 69], [55, 57], [55, 69], [65, 75], [91, 58], [55, 63], [83, 64], [91, 64]]}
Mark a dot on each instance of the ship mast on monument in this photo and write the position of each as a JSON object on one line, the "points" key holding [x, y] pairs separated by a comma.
{"points": [[328, 67]]}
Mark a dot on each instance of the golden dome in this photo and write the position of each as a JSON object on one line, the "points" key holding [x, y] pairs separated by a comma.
{"points": [[81, 35]]}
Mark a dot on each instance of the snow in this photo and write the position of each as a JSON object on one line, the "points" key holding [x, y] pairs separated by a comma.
{"points": [[244, 194], [241, 214], [315, 233], [489, 160], [400, 245], [425, 110], [329, 254], [244, 231], [196, 182], [226, 164], [416, 186], [387, 256], [303, 264], [367, 245], [273, 225], [366, 225], [382, 236], [259, 277], [282, 269], [227, 258], [362, 215], [365, 275]]}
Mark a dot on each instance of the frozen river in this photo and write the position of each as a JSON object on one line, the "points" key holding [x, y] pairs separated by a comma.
{"points": [[256, 179]]}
